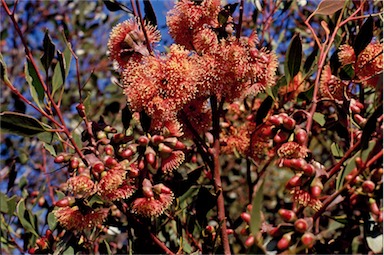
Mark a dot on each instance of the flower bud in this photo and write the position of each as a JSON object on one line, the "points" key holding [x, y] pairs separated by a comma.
{"points": [[309, 170], [143, 140], [74, 163], [156, 139], [301, 225], [287, 215], [246, 217], [308, 240], [81, 110], [289, 123], [373, 207], [250, 241], [109, 150], [98, 167], [66, 201], [301, 136], [359, 162], [276, 120], [294, 182], [284, 242], [368, 186], [110, 162], [281, 136], [127, 153]]}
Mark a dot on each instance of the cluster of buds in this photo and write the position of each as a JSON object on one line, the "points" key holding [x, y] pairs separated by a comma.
{"points": [[117, 167], [365, 189]]}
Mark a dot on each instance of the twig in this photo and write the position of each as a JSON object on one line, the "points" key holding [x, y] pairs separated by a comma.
{"points": [[217, 174]]}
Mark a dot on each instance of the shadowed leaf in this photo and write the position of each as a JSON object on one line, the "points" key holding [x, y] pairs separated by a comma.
{"points": [[49, 52], [293, 58], [257, 202], [149, 13], [263, 110], [364, 36], [21, 124], [35, 86]]}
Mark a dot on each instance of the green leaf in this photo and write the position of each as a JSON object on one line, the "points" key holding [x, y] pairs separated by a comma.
{"points": [[257, 202], [52, 221], [293, 58], [3, 203], [3, 69], [21, 124], [191, 192], [50, 149], [12, 202], [109, 252], [69, 251], [60, 195], [319, 118], [364, 36], [329, 7], [35, 85], [350, 164], [62, 67], [49, 51], [20, 210], [337, 152]]}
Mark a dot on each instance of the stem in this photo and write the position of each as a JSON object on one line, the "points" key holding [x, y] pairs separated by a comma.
{"points": [[161, 244], [217, 175], [143, 26], [336, 167]]}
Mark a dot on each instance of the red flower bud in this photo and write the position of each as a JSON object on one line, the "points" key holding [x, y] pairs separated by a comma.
{"points": [[359, 162], [316, 191], [284, 242], [74, 162], [368, 186], [156, 139], [308, 240], [63, 202], [59, 159], [229, 231], [309, 170], [250, 241], [301, 225], [281, 136], [267, 131], [110, 162], [98, 167], [275, 232], [126, 153], [289, 123], [294, 182], [109, 150], [276, 120], [246, 217], [81, 110], [143, 141], [373, 207], [287, 215], [301, 136]]}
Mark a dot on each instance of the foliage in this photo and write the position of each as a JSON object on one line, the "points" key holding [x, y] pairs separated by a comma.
{"points": [[256, 129]]}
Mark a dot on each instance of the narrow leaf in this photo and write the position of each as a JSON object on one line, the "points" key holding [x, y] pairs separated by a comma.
{"points": [[3, 69], [293, 58], [52, 222], [364, 36], [329, 7], [20, 210], [62, 67], [319, 118], [337, 152], [257, 202], [3, 203], [21, 124], [263, 110], [35, 86], [49, 52], [149, 13], [112, 6]]}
